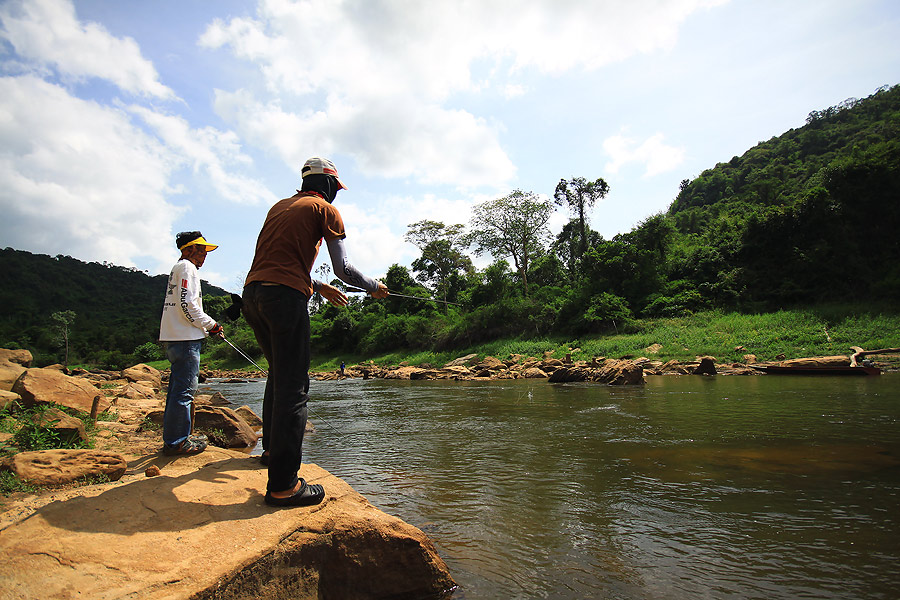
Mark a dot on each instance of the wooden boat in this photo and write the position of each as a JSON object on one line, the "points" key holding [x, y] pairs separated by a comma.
{"points": [[825, 370]]}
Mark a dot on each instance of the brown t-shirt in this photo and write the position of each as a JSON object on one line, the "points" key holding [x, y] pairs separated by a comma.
{"points": [[289, 241]]}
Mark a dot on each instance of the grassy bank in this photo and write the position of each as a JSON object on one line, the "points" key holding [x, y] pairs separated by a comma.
{"points": [[820, 331], [727, 336]]}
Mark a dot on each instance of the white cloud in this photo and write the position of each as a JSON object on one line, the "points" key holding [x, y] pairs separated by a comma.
{"points": [[78, 178], [395, 139], [211, 151], [376, 79], [653, 153], [47, 32]]}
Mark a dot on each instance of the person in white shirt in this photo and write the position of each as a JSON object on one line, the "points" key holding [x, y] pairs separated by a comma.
{"points": [[183, 327]]}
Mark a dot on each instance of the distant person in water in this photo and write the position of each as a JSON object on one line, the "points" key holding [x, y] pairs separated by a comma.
{"points": [[183, 327], [276, 294]]}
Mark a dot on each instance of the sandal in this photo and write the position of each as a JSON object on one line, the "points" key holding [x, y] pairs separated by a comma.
{"points": [[305, 496], [187, 447]]}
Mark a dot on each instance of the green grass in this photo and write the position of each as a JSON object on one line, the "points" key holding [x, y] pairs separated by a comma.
{"points": [[821, 331], [10, 482]]}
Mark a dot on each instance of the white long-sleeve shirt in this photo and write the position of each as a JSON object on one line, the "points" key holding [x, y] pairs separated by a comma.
{"points": [[183, 317]]}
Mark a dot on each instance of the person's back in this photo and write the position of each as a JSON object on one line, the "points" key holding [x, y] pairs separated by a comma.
{"points": [[289, 241]]}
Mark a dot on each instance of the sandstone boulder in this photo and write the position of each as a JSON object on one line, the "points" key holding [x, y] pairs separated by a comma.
{"points": [[216, 399], [7, 398], [43, 386], [12, 364], [203, 532], [457, 371], [137, 390], [60, 467], [489, 363], [621, 372], [250, 418], [142, 372], [425, 374], [236, 433], [401, 372], [534, 373]]}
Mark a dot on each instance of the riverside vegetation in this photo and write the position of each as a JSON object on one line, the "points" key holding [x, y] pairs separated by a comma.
{"points": [[790, 249]]}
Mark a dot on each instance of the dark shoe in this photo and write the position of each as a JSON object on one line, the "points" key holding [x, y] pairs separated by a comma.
{"points": [[305, 496], [187, 447], [198, 437], [264, 459]]}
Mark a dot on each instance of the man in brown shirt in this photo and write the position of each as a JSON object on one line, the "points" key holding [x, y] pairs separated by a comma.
{"points": [[275, 298]]}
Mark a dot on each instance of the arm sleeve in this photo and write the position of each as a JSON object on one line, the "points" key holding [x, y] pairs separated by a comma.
{"points": [[189, 303], [344, 270]]}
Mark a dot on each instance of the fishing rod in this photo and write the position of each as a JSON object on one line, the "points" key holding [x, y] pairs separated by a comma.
{"points": [[356, 290]]}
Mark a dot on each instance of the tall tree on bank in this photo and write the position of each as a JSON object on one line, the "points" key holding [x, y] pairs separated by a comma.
{"points": [[442, 253], [514, 226], [580, 195], [62, 322]]}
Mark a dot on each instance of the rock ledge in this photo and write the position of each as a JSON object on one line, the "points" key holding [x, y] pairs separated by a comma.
{"points": [[201, 530]]}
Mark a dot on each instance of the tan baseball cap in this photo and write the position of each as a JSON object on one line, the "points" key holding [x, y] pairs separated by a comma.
{"points": [[321, 166]]}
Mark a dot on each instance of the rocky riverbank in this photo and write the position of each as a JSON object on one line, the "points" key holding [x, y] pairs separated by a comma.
{"points": [[183, 527], [613, 371], [600, 369]]}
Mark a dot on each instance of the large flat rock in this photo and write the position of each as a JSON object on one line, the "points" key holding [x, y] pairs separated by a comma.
{"points": [[201, 530]]}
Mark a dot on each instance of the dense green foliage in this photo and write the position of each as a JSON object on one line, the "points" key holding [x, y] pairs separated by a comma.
{"points": [[802, 220], [810, 215], [116, 309]]}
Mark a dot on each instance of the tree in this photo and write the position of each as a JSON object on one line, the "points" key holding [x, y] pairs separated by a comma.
{"points": [[324, 273], [580, 195], [569, 243], [62, 322], [442, 257], [514, 226]]}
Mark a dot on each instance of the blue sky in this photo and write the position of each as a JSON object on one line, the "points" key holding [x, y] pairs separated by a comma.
{"points": [[126, 122]]}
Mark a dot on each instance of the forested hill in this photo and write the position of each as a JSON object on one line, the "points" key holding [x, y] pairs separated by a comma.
{"points": [[116, 309], [811, 214]]}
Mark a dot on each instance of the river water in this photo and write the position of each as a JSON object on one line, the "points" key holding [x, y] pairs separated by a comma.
{"points": [[769, 487]]}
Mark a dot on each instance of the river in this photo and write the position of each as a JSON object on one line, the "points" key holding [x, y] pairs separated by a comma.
{"points": [[769, 487]]}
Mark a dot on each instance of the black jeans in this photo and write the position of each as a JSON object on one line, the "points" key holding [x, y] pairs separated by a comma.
{"points": [[280, 319]]}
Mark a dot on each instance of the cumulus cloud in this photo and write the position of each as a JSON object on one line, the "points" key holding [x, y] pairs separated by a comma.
{"points": [[48, 33], [210, 151], [382, 87], [656, 156], [78, 178]]}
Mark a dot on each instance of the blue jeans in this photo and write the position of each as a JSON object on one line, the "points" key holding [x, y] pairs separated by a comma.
{"points": [[280, 320], [185, 360]]}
